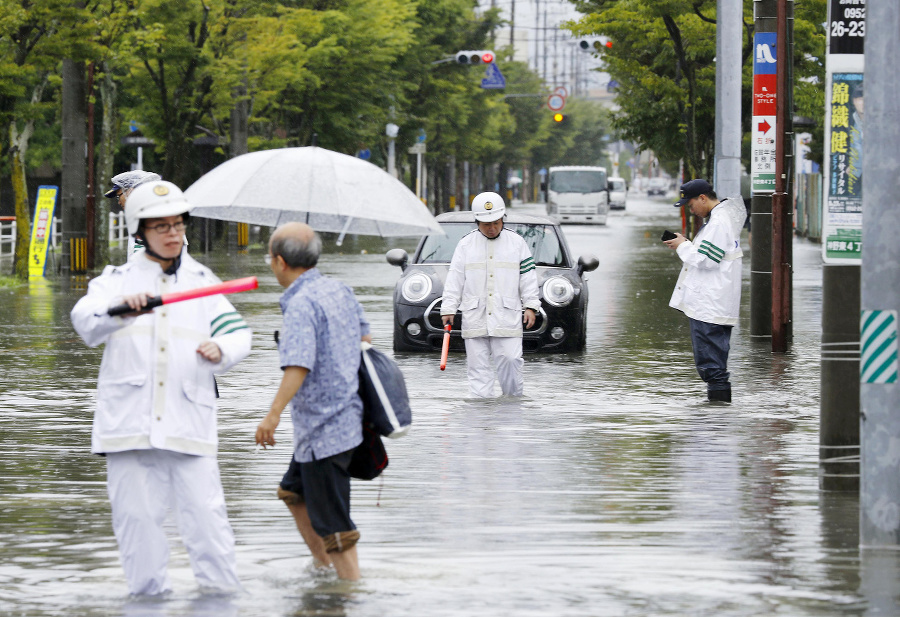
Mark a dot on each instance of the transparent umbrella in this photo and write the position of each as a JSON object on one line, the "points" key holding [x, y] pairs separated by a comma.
{"points": [[329, 191]]}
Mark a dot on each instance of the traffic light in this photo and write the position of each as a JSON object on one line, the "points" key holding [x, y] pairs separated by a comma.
{"points": [[594, 45], [560, 118], [482, 56]]}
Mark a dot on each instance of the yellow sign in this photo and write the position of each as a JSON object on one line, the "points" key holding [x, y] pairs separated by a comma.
{"points": [[41, 230]]}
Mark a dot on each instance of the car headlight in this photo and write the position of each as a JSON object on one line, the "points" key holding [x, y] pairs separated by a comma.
{"points": [[416, 288], [558, 291]]}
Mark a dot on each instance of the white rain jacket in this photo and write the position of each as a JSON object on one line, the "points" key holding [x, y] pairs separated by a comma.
{"points": [[154, 389], [709, 286], [489, 282]]}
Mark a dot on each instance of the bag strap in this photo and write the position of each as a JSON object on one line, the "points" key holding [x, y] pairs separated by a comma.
{"points": [[379, 388]]}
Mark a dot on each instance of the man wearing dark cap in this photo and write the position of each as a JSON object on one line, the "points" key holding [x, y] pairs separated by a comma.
{"points": [[708, 290]]}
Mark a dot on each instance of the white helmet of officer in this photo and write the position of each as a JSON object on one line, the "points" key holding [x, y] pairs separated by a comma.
{"points": [[153, 200], [488, 207]]}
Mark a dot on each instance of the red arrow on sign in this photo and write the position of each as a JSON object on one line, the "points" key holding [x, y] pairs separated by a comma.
{"points": [[764, 127]]}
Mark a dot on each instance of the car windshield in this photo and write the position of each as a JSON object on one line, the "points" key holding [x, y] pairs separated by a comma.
{"points": [[617, 185], [542, 241], [583, 181]]}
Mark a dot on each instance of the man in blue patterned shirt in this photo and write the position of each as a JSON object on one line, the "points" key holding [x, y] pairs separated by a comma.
{"points": [[319, 354]]}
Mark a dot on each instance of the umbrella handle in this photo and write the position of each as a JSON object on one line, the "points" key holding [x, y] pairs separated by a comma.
{"points": [[445, 349]]}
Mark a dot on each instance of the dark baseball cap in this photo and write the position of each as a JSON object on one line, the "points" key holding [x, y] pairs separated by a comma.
{"points": [[692, 189]]}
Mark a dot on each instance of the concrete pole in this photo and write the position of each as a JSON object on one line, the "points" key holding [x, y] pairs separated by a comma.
{"points": [[729, 39], [74, 172], [880, 393], [839, 417], [761, 220]]}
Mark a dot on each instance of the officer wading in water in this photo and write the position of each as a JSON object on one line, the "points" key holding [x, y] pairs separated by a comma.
{"points": [[156, 404], [491, 279]]}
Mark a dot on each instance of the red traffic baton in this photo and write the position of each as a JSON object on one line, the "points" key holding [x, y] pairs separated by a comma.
{"points": [[228, 287], [445, 349]]}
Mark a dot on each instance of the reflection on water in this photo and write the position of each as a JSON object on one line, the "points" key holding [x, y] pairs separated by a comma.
{"points": [[612, 488]]}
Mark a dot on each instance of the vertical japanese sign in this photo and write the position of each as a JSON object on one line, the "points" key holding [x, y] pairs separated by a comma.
{"points": [[41, 229], [762, 164], [842, 211]]}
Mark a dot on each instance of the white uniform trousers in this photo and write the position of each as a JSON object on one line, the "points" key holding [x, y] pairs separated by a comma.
{"points": [[142, 485], [507, 354]]}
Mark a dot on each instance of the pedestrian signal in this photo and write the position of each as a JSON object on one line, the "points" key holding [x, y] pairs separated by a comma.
{"points": [[483, 56]]}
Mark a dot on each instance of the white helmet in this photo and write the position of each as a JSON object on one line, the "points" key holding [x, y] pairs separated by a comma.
{"points": [[153, 200], [129, 180], [488, 207]]}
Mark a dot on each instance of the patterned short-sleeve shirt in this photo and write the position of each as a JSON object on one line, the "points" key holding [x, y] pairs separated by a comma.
{"points": [[323, 324]]}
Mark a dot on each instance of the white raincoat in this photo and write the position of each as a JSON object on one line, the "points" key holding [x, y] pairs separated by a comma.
{"points": [[156, 418], [489, 282], [154, 390], [709, 285]]}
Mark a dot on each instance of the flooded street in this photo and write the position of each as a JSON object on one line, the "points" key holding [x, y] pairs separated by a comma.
{"points": [[613, 488]]}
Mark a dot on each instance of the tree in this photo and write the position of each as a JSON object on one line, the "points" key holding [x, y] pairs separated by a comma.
{"points": [[34, 37], [662, 57]]}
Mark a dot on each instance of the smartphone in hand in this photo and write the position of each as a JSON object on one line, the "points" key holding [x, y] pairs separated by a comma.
{"points": [[668, 235]]}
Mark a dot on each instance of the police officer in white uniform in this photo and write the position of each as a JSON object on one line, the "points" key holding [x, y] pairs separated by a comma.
{"points": [[122, 185], [491, 279], [156, 414]]}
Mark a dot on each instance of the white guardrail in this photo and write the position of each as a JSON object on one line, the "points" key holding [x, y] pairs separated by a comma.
{"points": [[118, 233]]}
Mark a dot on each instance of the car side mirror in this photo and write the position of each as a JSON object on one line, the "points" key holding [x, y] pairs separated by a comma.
{"points": [[398, 257], [586, 263], [609, 186]]}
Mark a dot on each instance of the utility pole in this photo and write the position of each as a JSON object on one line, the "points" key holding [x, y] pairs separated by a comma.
{"points": [[72, 191], [544, 35], [879, 525], [782, 219], [842, 229], [537, 40], [761, 201], [729, 37], [512, 29]]}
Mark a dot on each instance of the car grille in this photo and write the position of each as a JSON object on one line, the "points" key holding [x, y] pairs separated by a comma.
{"points": [[433, 320]]}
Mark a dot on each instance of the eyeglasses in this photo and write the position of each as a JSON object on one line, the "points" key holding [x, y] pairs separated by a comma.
{"points": [[164, 228]]}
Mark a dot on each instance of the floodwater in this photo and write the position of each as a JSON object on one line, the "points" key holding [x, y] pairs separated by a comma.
{"points": [[612, 489]]}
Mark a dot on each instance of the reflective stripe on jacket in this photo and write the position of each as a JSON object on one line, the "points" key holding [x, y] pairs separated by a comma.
{"points": [[489, 282], [154, 390]]}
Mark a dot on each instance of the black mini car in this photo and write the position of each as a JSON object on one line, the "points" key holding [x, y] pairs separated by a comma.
{"points": [[561, 322]]}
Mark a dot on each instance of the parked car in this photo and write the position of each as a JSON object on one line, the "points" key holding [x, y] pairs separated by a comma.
{"points": [[618, 193], [658, 186], [561, 321]]}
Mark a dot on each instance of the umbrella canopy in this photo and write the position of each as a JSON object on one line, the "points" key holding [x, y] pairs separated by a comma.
{"points": [[327, 190]]}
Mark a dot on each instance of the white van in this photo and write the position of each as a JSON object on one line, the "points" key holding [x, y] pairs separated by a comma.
{"points": [[618, 192], [578, 194]]}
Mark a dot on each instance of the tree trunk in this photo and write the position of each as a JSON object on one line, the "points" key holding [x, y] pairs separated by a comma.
{"points": [[18, 147], [240, 115], [105, 161]]}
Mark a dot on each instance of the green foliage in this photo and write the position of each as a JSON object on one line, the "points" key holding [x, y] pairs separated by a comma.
{"points": [[7, 282], [581, 140], [663, 60], [809, 69]]}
